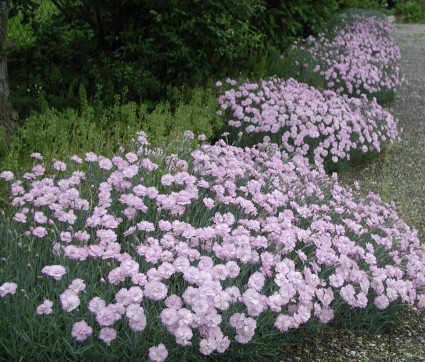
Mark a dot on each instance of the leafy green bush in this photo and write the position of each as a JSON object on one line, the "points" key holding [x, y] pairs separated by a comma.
{"points": [[144, 46], [147, 46], [95, 127], [410, 11]]}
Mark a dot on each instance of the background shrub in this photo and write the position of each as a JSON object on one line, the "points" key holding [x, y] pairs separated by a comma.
{"points": [[146, 46]]}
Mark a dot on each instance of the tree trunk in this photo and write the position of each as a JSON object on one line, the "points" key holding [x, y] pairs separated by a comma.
{"points": [[8, 116]]}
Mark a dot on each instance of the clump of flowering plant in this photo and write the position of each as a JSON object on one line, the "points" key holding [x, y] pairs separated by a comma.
{"points": [[358, 56], [209, 249], [329, 129]]}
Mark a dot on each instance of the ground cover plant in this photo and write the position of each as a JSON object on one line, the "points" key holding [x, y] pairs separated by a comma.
{"points": [[210, 251], [356, 56], [331, 130]]}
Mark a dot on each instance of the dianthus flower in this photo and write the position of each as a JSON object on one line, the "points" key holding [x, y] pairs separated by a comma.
{"points": [[39, 231], [81, 330], [107, 335], [158, 353], [54, 271], [45, 307], [155, 290], [7, 288], [69, 300]]}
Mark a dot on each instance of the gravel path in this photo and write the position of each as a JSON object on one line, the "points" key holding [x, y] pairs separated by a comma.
{"points": [[399, 176]]}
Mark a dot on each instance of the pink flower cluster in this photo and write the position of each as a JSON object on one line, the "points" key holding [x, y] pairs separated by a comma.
{"points": [[279, 238], [245, 327], [359, 57], [325, 127]]}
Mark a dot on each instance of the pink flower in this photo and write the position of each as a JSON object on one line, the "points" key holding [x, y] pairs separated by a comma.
{"points": [[253, 302], [116, 276], [38, 170], [7, 175], [183, 335], [36, 155], [284, 322], [326, 315], [123, 297], [207, 346], [158, 353], [129, 267], [348, 294], [81, 330], [20, 217], [167, 179], [76, 159], [59, 166], [256, 281], [146, 226], [382, 302], [7, 288], [82, 236], [173, 301], [155, 290], [208, 202], [66, 236], [189, 135], [139, 279], [39, 231], [107, 316], [149, 165], [69, 300], [54, 271], [135, 295], [169, 317], [136, 317], [131, 157], [233, 269], [107, 335], [96, 305], [77, 286], [421, 301], [39, 217], [106, 236], [45, 307], [91, 157]]}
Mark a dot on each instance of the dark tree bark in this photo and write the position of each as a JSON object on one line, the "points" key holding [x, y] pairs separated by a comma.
{"points": [[8, 116]]}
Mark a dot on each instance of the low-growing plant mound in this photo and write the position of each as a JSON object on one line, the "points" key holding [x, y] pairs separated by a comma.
{"points": [[331, 130], [218, 251], [358, 55]]}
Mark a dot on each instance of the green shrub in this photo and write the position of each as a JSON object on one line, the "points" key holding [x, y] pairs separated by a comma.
{"points": [[98, 128], [410, 11], [147, 46]]}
